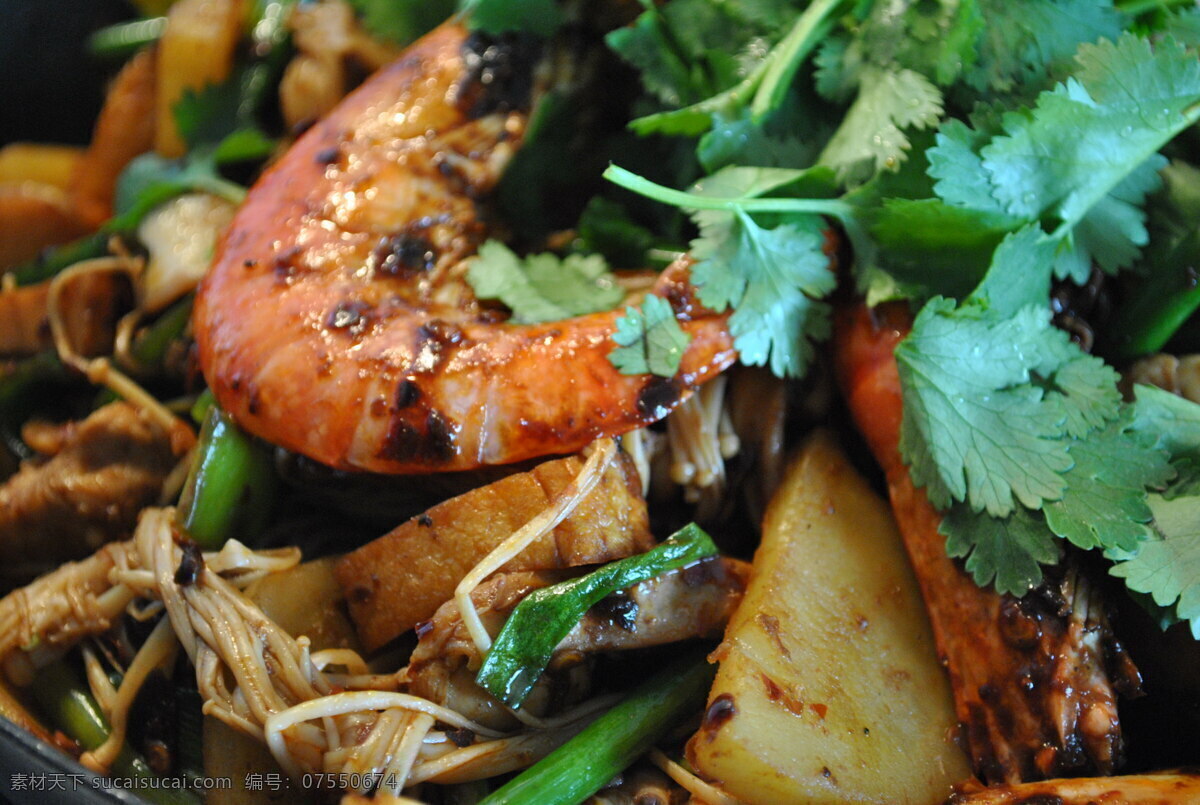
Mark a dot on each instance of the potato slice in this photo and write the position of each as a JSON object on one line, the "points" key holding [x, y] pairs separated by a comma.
{"points": [[196, 49], [402, 578], [306, 600], [829, 690], [37, 162]]}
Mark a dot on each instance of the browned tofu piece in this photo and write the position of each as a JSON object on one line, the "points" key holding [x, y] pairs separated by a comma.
{"points": [[400, 579]]}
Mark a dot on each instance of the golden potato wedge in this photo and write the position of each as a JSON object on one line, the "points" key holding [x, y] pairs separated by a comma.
{"points": [[196, 49], [402, 578], [38, 162], [306, 600], [829, 690]]}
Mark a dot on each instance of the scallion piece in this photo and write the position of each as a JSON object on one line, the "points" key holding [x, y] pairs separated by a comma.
{"points": [[126, 38], [525, 644], [65, 701], [581, 766], [231, 486]]}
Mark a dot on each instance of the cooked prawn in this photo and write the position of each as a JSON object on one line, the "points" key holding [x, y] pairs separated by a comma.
{"points": [[336, 320]]}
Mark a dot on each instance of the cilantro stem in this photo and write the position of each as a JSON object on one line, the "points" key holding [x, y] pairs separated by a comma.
{"points": [[764, 87], [786, 57], [691, 201]]}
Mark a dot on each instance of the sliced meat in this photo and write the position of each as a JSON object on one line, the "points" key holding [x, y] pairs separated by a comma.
{"points": [[109, 467], [691, 602]]}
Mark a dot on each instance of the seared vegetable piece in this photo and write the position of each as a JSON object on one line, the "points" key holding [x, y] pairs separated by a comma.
{"points": [[32, 217], [89, 306], [231, 486], [523, 648], [829, 689], [124, 129], [65, 701], [402, 578], [582, 765]]}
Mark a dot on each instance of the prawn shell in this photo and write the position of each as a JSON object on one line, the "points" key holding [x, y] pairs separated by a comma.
{"points": [[335, 321]]}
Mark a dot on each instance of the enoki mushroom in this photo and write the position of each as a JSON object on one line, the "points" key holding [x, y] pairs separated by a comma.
{"points": [[259, 679]]}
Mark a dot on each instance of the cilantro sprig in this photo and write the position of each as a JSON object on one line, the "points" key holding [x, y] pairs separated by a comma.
{"points": [[543, 287], [772, 273]]}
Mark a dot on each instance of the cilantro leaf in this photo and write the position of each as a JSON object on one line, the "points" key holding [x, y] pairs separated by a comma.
{"points": [[1171, 419], [401, 23], [872, 130], [1084, 138], [542, 287], [1032, 41], [770, 276], [975, 427], [1168, 569], [207, 115], [150, 180], [1006, 552], [538, 17], [1105, 503], [650, 340]]}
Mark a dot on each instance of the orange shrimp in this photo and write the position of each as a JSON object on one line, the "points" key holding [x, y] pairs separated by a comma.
{"points": [[336, 321]]}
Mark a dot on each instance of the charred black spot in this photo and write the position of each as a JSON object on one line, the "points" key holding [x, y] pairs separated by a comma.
{"points": [[254, 402], [328, 156], [407, 393], [499, 71], [460, 737], [404, 256], [190, 566], [434, 337], [441, 439], [250, 263], [284, 263], [352, 317], [658, 397], [617, 609], [434, 442], [425, 520], [442, 332]]}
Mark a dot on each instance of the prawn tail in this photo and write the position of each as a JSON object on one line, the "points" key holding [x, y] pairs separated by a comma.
{"points": [[1034, 693]]}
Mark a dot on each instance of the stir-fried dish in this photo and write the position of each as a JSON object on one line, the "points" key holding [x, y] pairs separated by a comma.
{"points": [[705, 401]]}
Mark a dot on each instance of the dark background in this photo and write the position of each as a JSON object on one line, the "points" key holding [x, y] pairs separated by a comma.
{"points": [[50, 89]]}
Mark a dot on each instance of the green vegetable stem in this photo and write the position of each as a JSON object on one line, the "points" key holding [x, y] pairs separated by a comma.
{"points": [[68, 705], [125, 38], [578, 768], [56, 258], [1159, 305], [231, 486], [523, 647]]}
